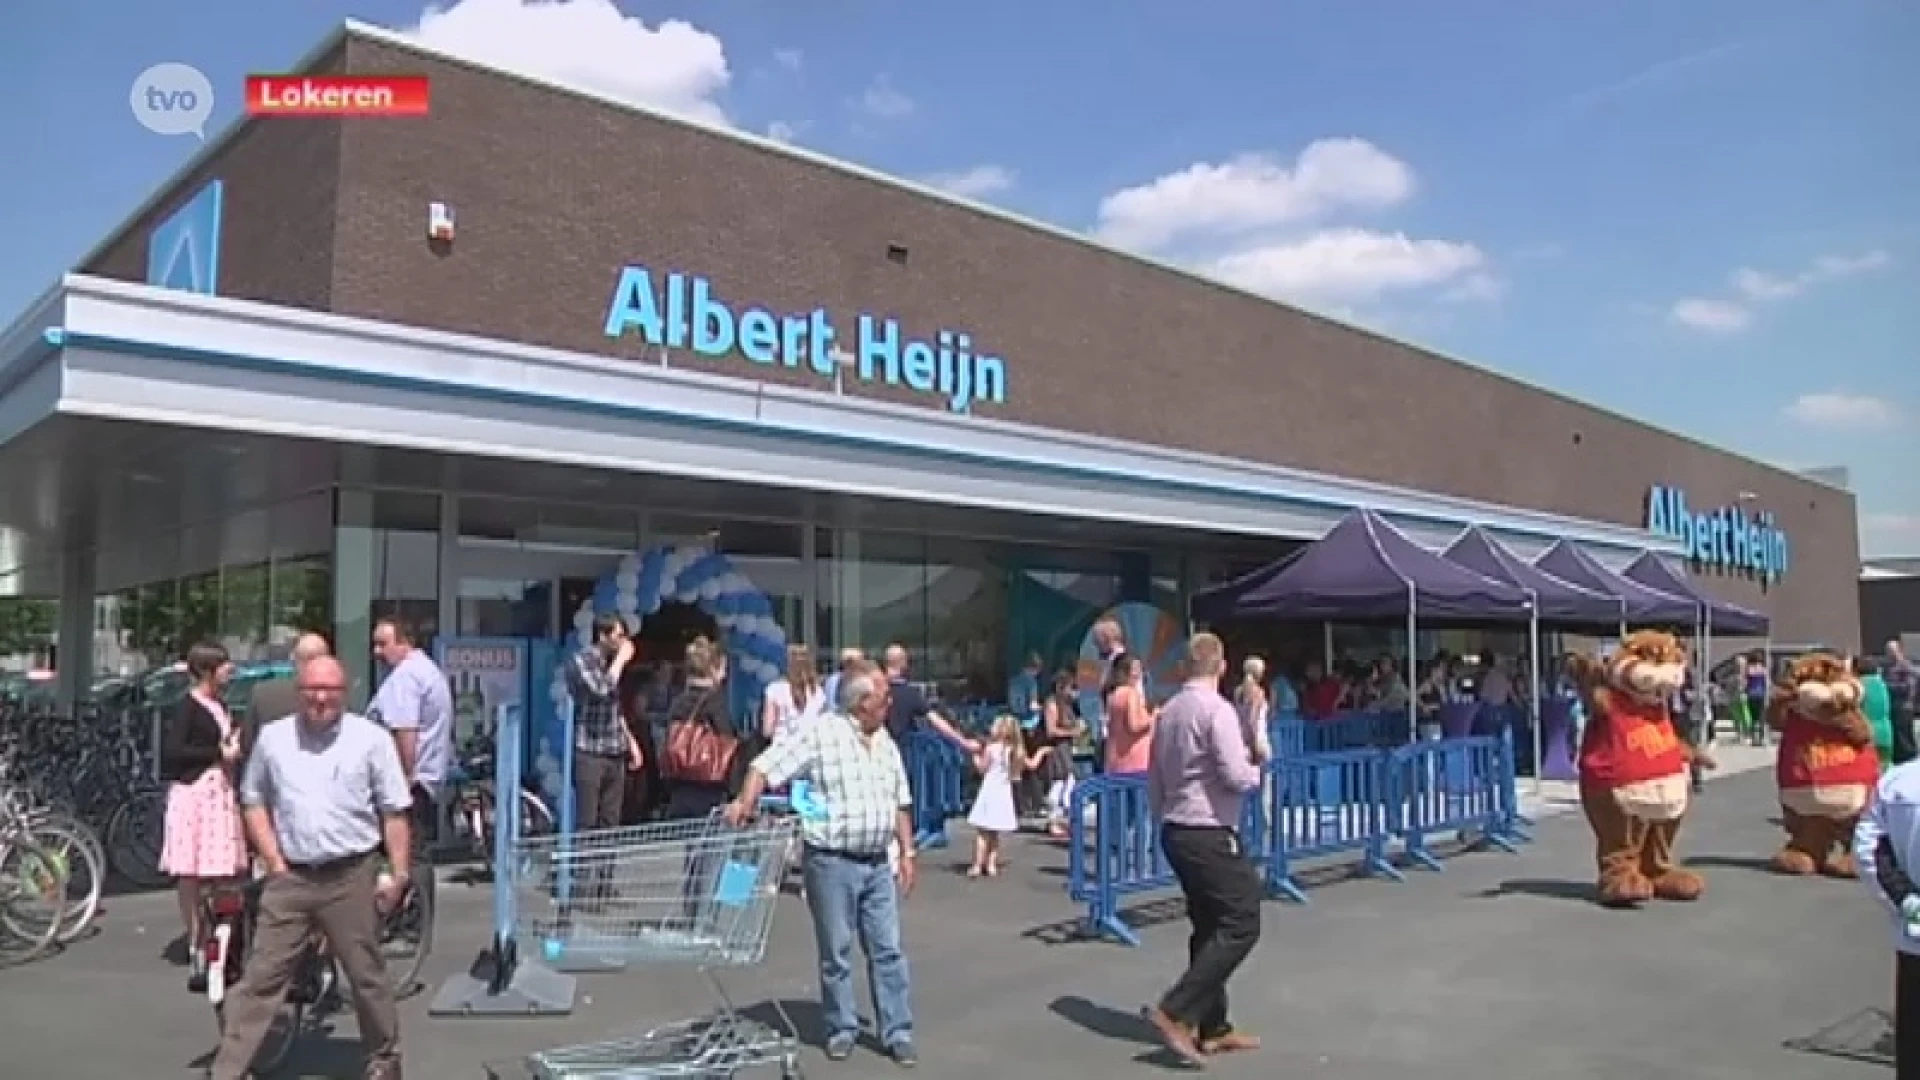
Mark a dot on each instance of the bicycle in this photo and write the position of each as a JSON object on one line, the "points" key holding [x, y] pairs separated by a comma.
{"points": [[408, 925], [33, 887], [231, 912], [475, 798], [75, 851]]}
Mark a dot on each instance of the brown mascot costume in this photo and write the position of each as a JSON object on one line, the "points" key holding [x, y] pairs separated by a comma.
{"points": [[1827, 767], [1634, 771]]}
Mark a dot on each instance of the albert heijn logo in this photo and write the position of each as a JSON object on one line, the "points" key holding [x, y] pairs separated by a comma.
{"points": [[183, 252]]}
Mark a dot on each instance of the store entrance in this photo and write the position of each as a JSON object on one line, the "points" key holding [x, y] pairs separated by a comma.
{"points": [[665, 634]]}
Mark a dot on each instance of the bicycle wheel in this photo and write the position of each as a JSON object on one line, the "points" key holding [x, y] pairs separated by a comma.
{"points": [[33, 890], [406, 934], [535, 818], [277, 1045], [78, 852], [135, 834]]}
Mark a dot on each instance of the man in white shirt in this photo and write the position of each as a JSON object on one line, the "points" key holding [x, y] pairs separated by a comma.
{"points": [[1886, 849]]}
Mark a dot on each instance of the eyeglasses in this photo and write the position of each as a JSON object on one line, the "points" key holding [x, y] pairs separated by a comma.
{"points": [[330, 688]]}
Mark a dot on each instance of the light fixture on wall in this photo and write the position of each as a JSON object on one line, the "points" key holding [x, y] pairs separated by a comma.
{"points": [[842, 360], [440, 223]]}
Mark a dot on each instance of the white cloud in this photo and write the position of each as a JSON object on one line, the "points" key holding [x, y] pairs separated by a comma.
{"points": [[1346, 264], [1710, 316], [1716, 316], [675, 66], [883, 101], [1836, 409], [1761, 285], [780, 131], [1890, 533], [790, 59], [1272, 225], [975, 183], [1478, 287], [1254, 191]]}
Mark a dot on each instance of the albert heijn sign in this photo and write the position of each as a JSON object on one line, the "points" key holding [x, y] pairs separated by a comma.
{"points": [[1727, 538]]}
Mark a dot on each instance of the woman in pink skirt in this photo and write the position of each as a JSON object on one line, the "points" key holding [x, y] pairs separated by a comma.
{"points": [[204, 838]]}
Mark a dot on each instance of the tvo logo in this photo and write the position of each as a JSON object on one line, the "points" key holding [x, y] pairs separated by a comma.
{"points": [[172, 99]]}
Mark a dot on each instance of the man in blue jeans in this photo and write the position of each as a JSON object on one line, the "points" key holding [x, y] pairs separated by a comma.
{"points": [[852, 890]]}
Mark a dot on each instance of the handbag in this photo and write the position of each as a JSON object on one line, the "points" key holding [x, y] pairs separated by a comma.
{"points": [[696, 753]]}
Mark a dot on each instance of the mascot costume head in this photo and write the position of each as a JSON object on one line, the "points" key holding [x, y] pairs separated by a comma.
{"points": [[1635, 770], [1827, 766]]}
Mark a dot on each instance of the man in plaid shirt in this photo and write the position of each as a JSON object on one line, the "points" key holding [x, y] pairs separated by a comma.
{"points": [[852, 889], [604, 750]]}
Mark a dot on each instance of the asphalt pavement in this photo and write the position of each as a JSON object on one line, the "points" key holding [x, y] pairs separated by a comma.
{"points": [[1498, 966]]}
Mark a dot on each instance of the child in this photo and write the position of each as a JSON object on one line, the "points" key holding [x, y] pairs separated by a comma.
{"points": [[1001, 763]]}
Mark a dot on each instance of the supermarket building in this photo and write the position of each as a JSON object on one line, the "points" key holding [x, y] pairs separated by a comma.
{"points": [[271, 400]]}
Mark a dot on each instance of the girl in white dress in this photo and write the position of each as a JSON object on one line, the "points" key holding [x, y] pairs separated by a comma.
{"points": [[1001, 763]]}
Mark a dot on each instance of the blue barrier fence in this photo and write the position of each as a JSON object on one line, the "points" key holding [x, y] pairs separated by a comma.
{"points": [[1311, 806], [937, 772]]}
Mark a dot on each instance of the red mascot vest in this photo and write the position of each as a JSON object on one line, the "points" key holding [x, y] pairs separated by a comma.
{"points": [[1630, 743], [1812, 755]]}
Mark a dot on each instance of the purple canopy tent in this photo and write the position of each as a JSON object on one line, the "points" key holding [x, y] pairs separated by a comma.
{"points": [[1721, 617], [1221, 602], [1642, 605], [1365, 570], [1555, 602]]}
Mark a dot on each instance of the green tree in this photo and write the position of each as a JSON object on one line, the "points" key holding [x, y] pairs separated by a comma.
{"points": [[27, 624]]}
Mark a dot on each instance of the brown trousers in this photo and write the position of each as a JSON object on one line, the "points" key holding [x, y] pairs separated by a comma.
{"points": [[336, 899]]}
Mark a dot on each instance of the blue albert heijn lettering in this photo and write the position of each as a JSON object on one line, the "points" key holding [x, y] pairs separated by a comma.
{"points": [[1727, 538], [684, 312]]}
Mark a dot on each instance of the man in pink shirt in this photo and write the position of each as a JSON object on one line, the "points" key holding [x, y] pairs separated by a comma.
{"points": [[1199, 773]]}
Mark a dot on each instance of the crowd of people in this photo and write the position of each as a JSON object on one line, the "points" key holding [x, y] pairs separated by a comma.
{"points": [[661, 743], [333, 809]]}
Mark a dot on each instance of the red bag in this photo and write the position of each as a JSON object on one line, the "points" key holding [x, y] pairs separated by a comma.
{"points": [[697, 754]]}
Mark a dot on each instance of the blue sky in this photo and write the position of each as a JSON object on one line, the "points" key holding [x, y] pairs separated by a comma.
{"points": [[1706, 215]]}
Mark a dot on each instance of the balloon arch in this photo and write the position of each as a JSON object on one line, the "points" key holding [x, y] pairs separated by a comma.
{"points": [[644, 581]]}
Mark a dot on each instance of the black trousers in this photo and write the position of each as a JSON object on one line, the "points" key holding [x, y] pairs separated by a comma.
{"points": [[1223, 903], [1904, 749], [1906, 1016]]}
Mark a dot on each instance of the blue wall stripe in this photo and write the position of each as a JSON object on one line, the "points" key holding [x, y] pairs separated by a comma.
{"points": [[619, 410]]}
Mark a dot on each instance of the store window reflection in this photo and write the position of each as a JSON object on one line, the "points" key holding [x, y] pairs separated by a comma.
{"points": [[872, 592], [769, 554], [386, 564], [966, 612], [251, 582], [29, 626]]}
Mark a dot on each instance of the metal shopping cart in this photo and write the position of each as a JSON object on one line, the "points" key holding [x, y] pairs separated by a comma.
{"points": [[696, 893]]}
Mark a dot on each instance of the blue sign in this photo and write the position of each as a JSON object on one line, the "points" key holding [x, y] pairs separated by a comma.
{"points": [[1723, 539], [183, 252], [682, 311]]}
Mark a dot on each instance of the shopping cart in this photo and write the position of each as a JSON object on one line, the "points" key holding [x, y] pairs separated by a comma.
{"points": [[696, 893]]}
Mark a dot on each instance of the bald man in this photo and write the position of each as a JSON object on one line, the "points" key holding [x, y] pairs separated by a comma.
{"points": [[274, 698], [322, 794]]}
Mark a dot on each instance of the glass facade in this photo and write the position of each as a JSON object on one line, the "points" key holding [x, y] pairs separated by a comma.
{"points": [[970, 611], [250, 583], [967, 609]]}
